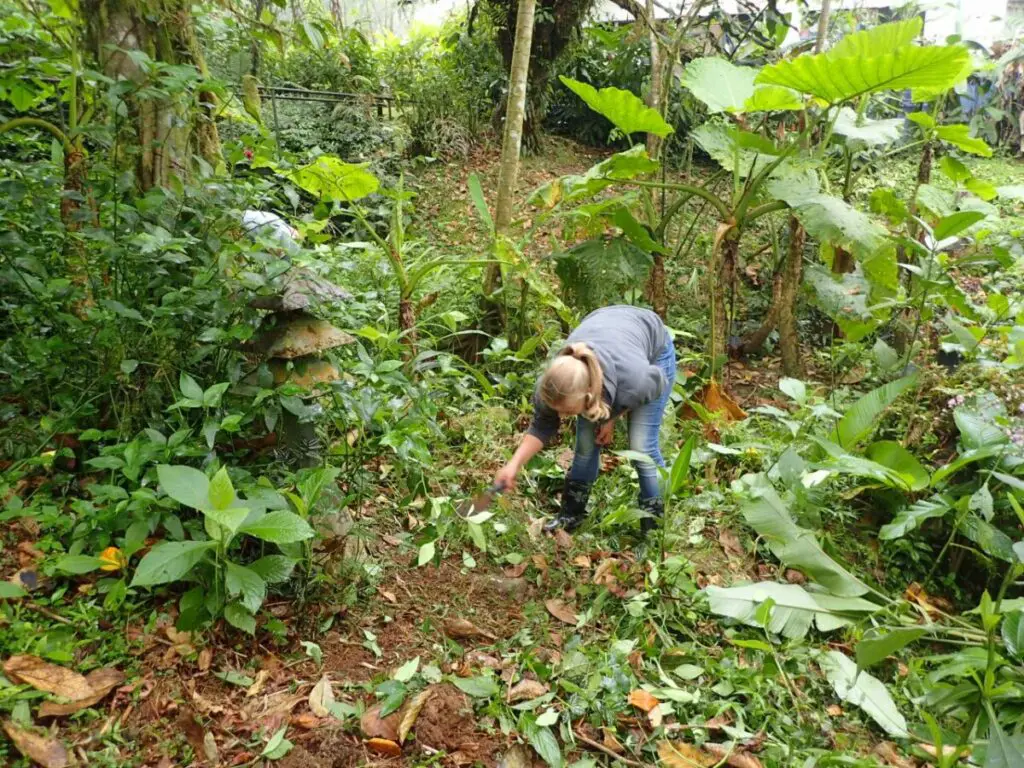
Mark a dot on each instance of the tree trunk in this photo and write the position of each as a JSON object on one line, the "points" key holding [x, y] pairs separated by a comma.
{"points": [[789, 338], [755, 341], [723, 275], [168, 128], [338, 14], [554, 28], [511, 144], [407, 320], [656, 292], [826, 10], [654, 92]]}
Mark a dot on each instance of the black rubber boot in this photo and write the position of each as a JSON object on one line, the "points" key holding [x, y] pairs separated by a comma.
{"points": [[574, 507], [656, 509]]}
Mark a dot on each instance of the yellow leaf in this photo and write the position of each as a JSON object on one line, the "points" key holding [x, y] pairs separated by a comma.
{"points": [[113, 559], [677, 754]]}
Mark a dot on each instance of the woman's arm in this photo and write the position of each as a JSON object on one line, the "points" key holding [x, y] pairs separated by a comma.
{"points": [[529, 447]]}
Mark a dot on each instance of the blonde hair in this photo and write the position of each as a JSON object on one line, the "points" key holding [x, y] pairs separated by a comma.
{"points": [[575, 377]]}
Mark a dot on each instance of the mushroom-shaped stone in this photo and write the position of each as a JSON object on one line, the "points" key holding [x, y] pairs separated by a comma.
{"points": [[302, 335], [313, 374], [301, 289]]}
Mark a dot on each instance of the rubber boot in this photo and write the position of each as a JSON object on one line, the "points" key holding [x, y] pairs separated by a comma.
{"points": [[574, 507], [656, 509]]}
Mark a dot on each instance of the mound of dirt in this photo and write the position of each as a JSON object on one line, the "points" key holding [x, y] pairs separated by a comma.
{"points": [[447, 723]]}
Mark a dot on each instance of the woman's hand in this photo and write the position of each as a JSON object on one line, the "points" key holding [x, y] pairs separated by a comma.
{"points": [[506, 477], [605, 433]]}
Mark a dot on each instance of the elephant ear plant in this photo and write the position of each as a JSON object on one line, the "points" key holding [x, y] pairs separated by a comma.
{"points": [[224, 587]]}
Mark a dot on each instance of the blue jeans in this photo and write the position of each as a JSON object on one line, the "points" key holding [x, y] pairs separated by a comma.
{"points": [[644, 426]]}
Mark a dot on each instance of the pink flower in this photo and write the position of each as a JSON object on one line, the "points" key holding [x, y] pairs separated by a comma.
{"points": [[248, 154]]}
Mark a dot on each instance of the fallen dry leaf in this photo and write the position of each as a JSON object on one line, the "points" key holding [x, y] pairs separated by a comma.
{"points": [[307, 721], [389, 596], [525, 690], [730, 542], [582, 561], [205, 659], [384, 747], [610, 741], [603, 574], [46, 751], [210, 748], [643, 700], [561, 611], [887, 751], [947, 749], [834, 710], [374, 727], [101, 681], [462, 629], [678, 754], [540, 563], [321, 698], [51, 678], [563, 539], [735, 758], [411, 711], [515, 571], [656, 717], [257, 685]]}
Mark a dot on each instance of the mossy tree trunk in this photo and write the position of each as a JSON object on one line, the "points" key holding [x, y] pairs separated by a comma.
{"points": [[789, 338], [556, 22], [169, 128], [508, 170]]}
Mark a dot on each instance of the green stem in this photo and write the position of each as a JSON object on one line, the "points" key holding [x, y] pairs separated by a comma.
{"points": [[765, 208], [718, 205], [35, 122]]}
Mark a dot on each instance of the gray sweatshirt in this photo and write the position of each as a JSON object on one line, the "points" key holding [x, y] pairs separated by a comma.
{"points": [[627, 341]]}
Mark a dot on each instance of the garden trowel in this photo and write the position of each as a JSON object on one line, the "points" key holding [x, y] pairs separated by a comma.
{"points": [[480, 502]]}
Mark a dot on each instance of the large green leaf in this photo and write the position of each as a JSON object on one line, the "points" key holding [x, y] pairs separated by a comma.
{"points": [[894, 456], [834, 78], [864, 691], [332, 179], [274, 569], [844, 298], [732, 148], [861, 418], [773, 98], [185, 485], [240, 617], [829, 219], [959, 135], [1004, 751], [720, 84], [1013, 634], [880, 39], [244, 582], [977, 430], [169, 562], [795, 546], [621, 166], [597, 271], [990, 540], [625, 110], [867, 131], [909, 518], [279, 527], [794, 610], [877, 645]]}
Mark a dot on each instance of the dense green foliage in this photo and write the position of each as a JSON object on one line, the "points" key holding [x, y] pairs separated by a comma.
{"points": [[150, 392]]}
